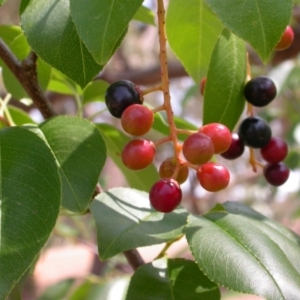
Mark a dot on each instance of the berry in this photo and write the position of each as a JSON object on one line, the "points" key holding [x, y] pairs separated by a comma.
{"points": [[260, 91], [219, 134], [138, 154], [120, 95], [275, 151], [276, 174], [167, 169], [137, 119], [198, 148], [202, 85], [213, 177], [254, 132], [286, 39], [165, 195], [236, 148]]}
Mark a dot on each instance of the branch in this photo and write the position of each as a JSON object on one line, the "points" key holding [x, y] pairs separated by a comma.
{"points": [[25, 72], [134, 258]]}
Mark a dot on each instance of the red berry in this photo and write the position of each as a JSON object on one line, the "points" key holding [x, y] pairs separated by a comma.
{"points": [[165, 195], [137, 119], [219, 134], [202, 85], [276, 174], [275, 151], [167, 169], [236, 148], [138, 154], [286, 39], [213, 177], [198, 148]]}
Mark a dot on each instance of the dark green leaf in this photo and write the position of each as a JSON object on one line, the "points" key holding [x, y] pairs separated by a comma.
{"points": [[23, 6], [192, 31], [239, 249], [260, 23], [80, 152], [51, 33], [95, 91], [107, 22], [145, 15], [115, 141], [173, 279], [30, 200], [125, 220], [223, 97]]}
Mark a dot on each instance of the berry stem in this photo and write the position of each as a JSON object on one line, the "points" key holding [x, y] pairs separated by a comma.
{"points": [[151, 89], [186, 131], [159, 108], [165, 76], [162, 141], [252, 160]]}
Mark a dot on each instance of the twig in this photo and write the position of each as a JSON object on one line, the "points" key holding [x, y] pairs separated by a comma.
{"points": [[134, 258], [25, 72]]}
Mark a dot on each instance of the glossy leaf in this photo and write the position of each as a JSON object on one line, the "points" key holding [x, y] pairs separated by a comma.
{"points": [[107, 22], [145, 15], [192, 31], [260, 23], [223, 97], [125, 220], [239, 248], [115, 141], [171, 279], [95, 91], [80, 152], [51, 33], [30, 200]]}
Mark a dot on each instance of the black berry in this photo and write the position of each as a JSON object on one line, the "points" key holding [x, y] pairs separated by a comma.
{"points": [[254, 132], [120, 95], [276, 174], [260, 91], [235, 149]]}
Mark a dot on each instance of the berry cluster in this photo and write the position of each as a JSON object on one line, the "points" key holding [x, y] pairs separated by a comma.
{"points": [[124, 100]]}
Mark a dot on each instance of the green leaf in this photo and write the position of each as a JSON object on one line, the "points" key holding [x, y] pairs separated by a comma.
{"points": [[107, 22], [19, 116], [95, 91], [171, 279], [240, 249], [115, 141], [30, 200], [58, 291], [192, 31], [260, 23], [223, 96], [80, 153], [23, 6], [161, 125], [14, 38], [125, 220], [51, 33], [145, 15], [2, 1]]}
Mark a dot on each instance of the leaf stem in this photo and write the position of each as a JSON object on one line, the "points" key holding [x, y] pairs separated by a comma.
{"points": [[167, 246]]}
